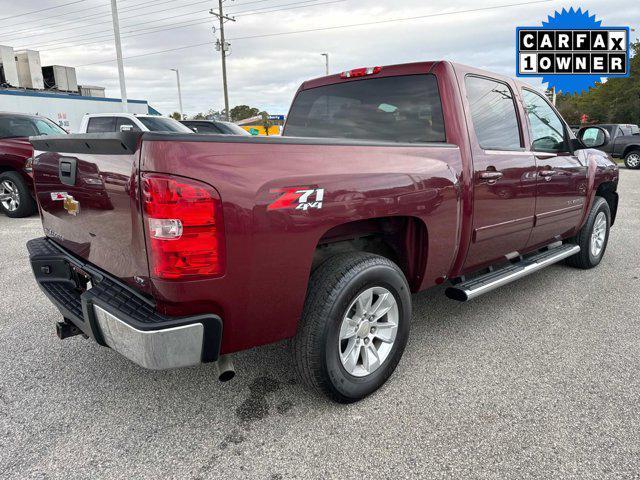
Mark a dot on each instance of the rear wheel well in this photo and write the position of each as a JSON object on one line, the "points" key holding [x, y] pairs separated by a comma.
{"points": [[607, 190], [403, 240], [630, 148]]}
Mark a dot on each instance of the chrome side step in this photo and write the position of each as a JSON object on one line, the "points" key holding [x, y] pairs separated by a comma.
{"points": [[490, 281]]}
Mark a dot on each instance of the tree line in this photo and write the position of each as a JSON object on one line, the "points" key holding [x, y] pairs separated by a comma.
{"points": [[615, 101]]}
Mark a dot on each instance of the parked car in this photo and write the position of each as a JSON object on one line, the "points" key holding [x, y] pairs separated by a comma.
{"points": [[129, 122], [215, 127], [623, 142], [16, 183], [387, 181]]}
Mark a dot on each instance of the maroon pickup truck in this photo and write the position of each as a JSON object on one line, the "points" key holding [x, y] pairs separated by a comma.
{"points": [[179, 249], [16, 184]]}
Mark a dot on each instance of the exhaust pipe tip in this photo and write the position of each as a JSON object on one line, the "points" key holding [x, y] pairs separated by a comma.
{"points": [[226, 371]]}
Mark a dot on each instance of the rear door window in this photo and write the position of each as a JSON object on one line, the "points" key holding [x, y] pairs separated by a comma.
{"points": [[396, 109], [16, 127], [204, 127], [101, 125], [128, 123], [493, 113]]}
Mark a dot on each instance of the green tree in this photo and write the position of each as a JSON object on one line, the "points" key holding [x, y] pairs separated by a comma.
{"points": [[240, 112], [209, 115], [615, 101], [266, 123], [176, 116]]}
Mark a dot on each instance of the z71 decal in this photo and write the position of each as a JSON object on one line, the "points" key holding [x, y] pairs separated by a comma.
{"points": [[298, 198]]}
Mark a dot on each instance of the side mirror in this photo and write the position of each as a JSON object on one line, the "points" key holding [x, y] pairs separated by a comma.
{"points": [[594, 137], [126, 128], [195, 129]]}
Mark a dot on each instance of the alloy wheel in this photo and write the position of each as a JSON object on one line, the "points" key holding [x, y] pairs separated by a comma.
{"points": [[368, 331], [9, 195], [598, 234], [633, 160]]}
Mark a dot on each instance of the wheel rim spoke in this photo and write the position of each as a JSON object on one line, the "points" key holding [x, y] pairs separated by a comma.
{"points": [[352, 355], [384, 303], [348, 329], [386, 332], [370, 358], [364, 302]]}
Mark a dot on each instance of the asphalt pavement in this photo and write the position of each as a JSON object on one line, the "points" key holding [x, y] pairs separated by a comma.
{"points": [[539, 379]]}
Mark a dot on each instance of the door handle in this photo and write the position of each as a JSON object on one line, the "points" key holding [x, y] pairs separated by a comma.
{"points": [[491, 175], [547, 173]]}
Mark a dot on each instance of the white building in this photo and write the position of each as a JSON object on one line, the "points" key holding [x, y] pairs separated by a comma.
{"points": [[64, 109]]}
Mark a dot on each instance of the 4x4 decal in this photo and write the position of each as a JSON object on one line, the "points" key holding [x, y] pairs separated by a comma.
{"points": [[299, 198]]}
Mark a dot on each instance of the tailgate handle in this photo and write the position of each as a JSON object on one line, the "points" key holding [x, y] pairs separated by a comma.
{"points": [[67, 172]]}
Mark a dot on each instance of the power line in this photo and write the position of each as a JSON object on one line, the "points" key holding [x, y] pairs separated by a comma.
{"points": [[391, 20], [326, 28], [58, 24], [106, 34], [155, 29], [40, 10], [259, 10], [59, 41], [57, 32], [49, 17]]}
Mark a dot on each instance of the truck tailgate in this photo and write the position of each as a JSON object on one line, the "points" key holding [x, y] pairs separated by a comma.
{"points": [[87, 189]]}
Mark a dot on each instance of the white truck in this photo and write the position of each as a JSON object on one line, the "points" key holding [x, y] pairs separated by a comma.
{"points": [[129, 122]]}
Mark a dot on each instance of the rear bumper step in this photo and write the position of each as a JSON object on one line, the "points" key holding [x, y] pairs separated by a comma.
{"points": [[490, 281], [115, 315]]}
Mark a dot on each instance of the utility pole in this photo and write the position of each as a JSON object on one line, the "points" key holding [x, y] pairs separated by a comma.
{"points": [[116, 35], [179, 92], [554, 96], [326, 62], [223, 46]]}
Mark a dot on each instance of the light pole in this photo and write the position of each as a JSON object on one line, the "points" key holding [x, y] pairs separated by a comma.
{"points": [[179, 92], [116, 35], [326, 62]]}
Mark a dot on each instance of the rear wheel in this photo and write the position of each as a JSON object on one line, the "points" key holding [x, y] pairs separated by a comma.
{"points": [[632, 159], [15, 198], [593, 236], [354, 326]]}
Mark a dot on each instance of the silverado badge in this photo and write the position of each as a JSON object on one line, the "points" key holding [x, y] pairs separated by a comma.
{"points": [[71, 206]]}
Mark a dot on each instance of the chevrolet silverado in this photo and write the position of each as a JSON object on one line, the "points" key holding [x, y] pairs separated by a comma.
{"points": [[176, 249]]}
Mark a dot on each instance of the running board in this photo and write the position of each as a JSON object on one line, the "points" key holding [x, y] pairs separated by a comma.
{"points": [[490, 281]]}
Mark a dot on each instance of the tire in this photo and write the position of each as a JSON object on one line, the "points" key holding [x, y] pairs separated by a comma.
{"points": [[589, 257], [632, 159], [334, 290], [15, 198]]}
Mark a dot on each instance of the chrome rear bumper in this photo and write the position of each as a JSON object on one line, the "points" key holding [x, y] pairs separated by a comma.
{"points": [[117, 316], [158, 349]]}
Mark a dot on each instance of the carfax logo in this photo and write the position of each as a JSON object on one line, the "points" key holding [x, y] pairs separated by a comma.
{"points": [[572, 51]]}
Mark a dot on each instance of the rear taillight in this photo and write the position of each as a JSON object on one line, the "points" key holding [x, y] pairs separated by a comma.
{"points": [[184, 227], [360, 72]]}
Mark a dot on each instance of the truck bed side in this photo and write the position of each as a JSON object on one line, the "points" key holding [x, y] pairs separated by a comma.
{"points": [[269, 253]]}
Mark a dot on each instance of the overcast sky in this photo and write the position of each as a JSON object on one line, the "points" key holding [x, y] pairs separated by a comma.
{"points": [[265, 72]]}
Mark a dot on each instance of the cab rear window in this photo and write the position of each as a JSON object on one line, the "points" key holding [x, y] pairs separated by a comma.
{"points": [[396, 109]]}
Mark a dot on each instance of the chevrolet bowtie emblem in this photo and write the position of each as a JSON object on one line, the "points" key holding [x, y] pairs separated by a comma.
{"points": [[71, 206]]}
